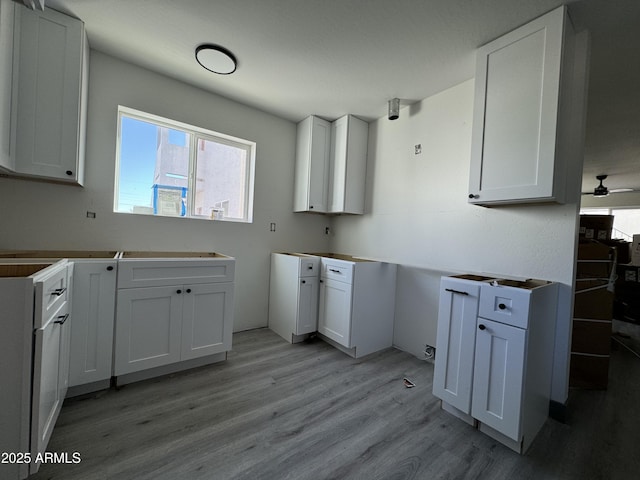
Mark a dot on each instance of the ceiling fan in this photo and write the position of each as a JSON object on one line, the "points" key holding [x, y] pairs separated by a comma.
{"points": [[602, 191]]}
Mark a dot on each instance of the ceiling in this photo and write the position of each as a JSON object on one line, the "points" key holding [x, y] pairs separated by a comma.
{"points": [[332, 57]]}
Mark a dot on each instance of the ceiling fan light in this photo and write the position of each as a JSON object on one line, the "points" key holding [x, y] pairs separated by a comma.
{"points": [[600, 191]]}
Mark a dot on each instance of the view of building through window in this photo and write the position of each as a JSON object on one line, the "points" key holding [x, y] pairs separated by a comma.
{"points": [[626, 221], [171, 169]]}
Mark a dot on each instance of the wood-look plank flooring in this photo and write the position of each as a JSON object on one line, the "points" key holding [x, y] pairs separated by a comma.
{"points": [[308, 411]]}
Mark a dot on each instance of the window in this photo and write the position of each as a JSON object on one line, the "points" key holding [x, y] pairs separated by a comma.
{"points": [[168, 168]]}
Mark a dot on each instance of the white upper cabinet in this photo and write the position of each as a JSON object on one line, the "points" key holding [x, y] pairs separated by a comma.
{"points": [[6, 79], [312, 166], [525, 113], [331, 163], [50, 82], [349, 164]]}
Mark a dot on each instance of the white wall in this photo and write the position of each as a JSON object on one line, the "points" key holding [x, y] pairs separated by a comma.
{"points": [[39, 215], [417, 215]]}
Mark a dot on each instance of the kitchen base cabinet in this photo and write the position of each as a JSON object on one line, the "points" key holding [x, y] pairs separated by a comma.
{"points": [[356, 304], [171, 310], [293, 295], [35, 344], [494, 354]]}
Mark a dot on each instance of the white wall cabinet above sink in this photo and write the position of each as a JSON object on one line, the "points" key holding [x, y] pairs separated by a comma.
{"points": [[527, 120], [331, 161]]}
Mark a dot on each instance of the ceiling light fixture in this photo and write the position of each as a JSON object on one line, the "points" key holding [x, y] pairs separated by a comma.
{"points": [[216, 59], [601, 190], [394, 108]]}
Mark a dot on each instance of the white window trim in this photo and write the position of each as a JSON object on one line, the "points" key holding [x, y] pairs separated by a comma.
{"points": [[197, 133]]}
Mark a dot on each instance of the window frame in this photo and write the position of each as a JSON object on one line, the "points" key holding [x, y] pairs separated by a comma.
{"points": [[195, 134]]}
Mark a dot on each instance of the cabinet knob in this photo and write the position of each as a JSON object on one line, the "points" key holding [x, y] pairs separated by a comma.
{"points": [[482, 327], [69, 172], [109, 268], [304, 281], [178, 291], [472, 195], [188, 290], [502, 306]]}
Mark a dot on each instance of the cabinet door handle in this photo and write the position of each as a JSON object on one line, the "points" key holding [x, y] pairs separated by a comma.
{"points": [[502, 306], [59, 291], [188, 290], [456, 291], [335, 271], [63, 317], [178, 291], [482, 327]]}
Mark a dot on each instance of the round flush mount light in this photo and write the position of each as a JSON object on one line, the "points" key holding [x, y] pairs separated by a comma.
{"points": [[216, 59]]}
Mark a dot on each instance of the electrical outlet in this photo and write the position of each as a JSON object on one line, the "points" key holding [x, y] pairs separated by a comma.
{"points": [[418, 148], [272, 227], [91, 214], [327, 231]]}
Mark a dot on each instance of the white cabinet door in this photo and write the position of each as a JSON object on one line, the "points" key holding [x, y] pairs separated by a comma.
{"points": [[148, 328], [334, 318], [499, 376], [6, 82], [207, 319], [455, 347], [307, 318], [52, 77], [94, 303], [515, 123], [312, 165], [50, 374], [349, 136]]}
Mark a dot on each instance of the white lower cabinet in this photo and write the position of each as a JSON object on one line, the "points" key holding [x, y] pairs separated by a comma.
{"points": [[293, 295], [494, 354], [160, 322], [357, 303]]}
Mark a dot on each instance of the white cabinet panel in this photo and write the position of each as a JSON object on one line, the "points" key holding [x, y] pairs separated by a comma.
{"points": [[52, 73], [334, 318], [148, 328], [204, 330], [307, 318], [93, 321], [498, 376], [6, 82], [455, 344], [312, 165], [524, 116]]}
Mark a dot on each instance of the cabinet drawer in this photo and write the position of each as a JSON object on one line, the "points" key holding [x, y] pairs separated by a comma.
{"points": [[52, 291], [157, 273], [505, 304], [337, 270], [309, 267]]}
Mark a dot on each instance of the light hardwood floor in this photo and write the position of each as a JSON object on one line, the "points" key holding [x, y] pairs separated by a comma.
{"points": [[307, 411]]}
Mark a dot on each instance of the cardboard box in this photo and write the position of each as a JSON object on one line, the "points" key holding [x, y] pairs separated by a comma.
{"points": [[596, 227], [589, 371], [593, 300], [593, 250], [628, 273], [591, 336], [635, 250]]}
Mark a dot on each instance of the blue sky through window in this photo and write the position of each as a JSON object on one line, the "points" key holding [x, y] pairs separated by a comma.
{"points": [[137, 163]]}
